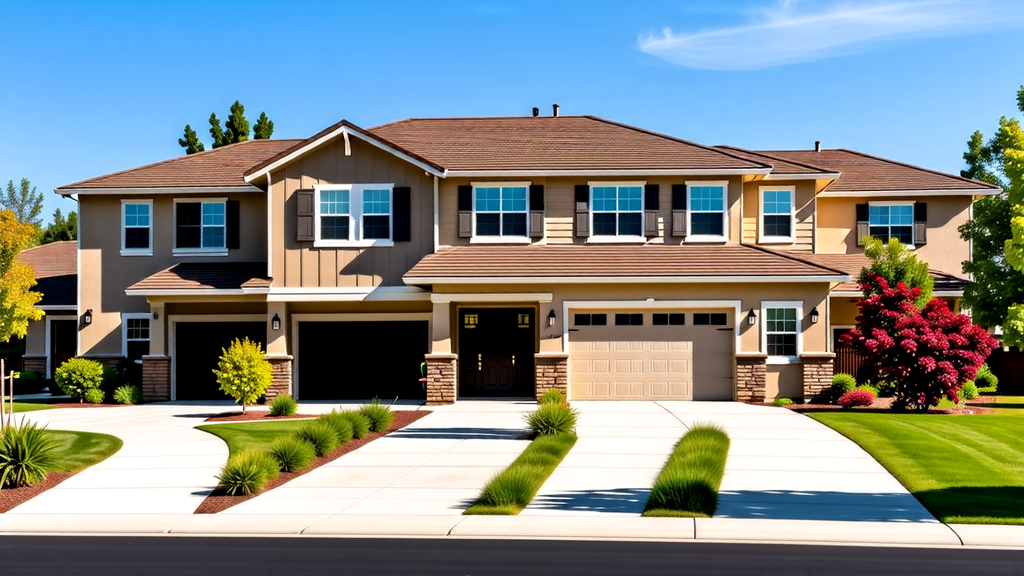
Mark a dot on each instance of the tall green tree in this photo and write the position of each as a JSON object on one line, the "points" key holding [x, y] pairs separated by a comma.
{"points": [[896, 263], [235, 129], [60, 229], [1009, 142], [17, 302], [216, 132], [236, 126], [264, 127], [191, 142], [23, 201]]}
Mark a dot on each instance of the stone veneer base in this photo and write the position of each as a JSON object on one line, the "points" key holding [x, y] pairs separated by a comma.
{"points": [[442, 385]]}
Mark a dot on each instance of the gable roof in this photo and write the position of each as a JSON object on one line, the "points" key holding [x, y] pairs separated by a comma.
{"points": [[781, 165], [220, 167], [56, 271]]}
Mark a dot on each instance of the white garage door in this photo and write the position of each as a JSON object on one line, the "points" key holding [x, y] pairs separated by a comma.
{"points": [[622, 355]]}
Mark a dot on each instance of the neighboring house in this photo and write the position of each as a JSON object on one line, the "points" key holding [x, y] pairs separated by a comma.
{"points": [[512, 254], [54, 338]]}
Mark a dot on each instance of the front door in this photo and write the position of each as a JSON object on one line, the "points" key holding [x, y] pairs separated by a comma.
{"points": [[63, 342], [496, 347]]}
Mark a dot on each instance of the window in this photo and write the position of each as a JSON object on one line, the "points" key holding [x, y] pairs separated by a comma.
{"points": [[706, 211], [353, 214], [135, 332], [617, 210], [669, 319], [887, 221], [470, 320], [201, 225], [501, 210], [777, 214], [590, 319], [137, 228], [709, 319], [629, 319], [524, 320], [781, 331]]}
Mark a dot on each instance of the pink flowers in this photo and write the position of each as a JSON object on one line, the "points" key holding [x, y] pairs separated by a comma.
{"points": [[856, 398]]}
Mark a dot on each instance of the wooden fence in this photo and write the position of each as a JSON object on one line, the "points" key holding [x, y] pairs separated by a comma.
{"points": [[850, 361], [1008, 366]]}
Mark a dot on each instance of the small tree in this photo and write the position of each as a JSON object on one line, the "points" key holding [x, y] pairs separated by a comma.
{"points": [[78, 376], [236, 127], [191, 142], [24, 201], [60, 229], [928, 353], [17, 302], [895, 263], [243, 372], [264, 127], [216, 132]]}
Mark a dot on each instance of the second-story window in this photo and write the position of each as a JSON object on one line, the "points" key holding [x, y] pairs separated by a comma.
{"points": [[500, 210], [200, 225], [617, 210], [137, 228], [706, 211], [777, 214], [354, 214], [887, 221]]}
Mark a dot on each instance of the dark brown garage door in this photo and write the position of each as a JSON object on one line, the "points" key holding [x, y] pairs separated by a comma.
{"points": [[359, 360], [197, 348]]}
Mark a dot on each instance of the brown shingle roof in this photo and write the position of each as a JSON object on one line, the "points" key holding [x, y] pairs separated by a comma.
{"points": [[864, 173], [853, 263], [222, 166], [56, 271], [582, 262], [207, 276], [779, 165]]}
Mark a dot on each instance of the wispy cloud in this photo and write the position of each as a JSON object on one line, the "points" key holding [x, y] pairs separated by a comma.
{"points": [[792, 32]]}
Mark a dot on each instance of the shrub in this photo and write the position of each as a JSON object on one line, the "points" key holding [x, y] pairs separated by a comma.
{"points": [[841, 384], [340, 424], [248, 472], [320, 434], [94, 396], [27, 382], [986, 379], [128, 394], [869, 388], [243, 372], [292, 453], [856, 398], [77, 375], [886, 389], [283, 405], [27, 377], [969, 391], [689, 483], [26, 454], [782, 402], [379, 415], [552, 396], [550, 419], [360, 424]]}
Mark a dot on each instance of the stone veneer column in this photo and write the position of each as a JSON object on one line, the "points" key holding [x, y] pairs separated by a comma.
{"points": [[156, 378], [818, 369], [282, 377], [552, 371], [751, 375], [442, 379]]}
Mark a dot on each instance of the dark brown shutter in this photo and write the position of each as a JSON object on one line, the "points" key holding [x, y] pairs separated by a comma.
{"points": [[231, 224], [582, 195], [402, 227], [863, 217], [679, 209], [465, 211], [536, 211], [304, 216], [920, 223], [651, 206]]}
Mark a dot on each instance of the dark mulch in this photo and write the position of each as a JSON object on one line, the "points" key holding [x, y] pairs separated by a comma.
{"points": [[11, 497], [253, 415], [220, 500]]}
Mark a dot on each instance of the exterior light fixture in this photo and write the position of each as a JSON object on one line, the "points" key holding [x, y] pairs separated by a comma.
{"points": [[156, 315], [751, 317], [275, 322], [551, 318], [814, 315], [87, 317]]}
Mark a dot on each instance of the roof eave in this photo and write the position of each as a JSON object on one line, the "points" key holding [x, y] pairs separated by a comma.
{"points": [[423, 280], [195, 291], [804, 176], [936, 192], [612, 172], [246, 188]]}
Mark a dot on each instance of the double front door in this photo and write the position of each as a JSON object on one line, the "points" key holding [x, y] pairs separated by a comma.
{"points": [[496, 347]]}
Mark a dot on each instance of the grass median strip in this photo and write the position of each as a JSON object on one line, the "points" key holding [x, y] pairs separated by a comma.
{"points": [[512, 489], [688, 484]]}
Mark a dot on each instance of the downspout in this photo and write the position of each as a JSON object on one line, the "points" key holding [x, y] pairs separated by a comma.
{"points": [[437, 234], [270, 229]]}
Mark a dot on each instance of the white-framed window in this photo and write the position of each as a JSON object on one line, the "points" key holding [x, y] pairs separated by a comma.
{"points": [[778, 214], [135, 335], [781, 333], [891, 220], [706, 214], [617, 210], [136, 227], [353, 214], [501, 211], [200, 225]]}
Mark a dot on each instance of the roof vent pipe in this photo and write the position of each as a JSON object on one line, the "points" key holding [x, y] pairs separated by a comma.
{"points": [[554, 108], [817, 145], [536, 111]]}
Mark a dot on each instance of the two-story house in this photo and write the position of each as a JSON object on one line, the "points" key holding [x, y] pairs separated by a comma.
{"points": [[511, 254]]}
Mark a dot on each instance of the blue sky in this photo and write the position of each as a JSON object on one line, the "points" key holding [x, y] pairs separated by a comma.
{"points": [[88, 88]]}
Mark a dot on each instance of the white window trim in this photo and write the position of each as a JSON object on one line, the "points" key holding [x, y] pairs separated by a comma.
{"points": [[125, 316], [761, 238], [617, 238], [502, 239], [799, 305], [137, 251], [725, 212], [355, 214], [199, 251], [910, 203]]}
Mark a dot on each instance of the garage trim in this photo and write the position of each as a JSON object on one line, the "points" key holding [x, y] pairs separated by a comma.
{"points": [[172, 321]]}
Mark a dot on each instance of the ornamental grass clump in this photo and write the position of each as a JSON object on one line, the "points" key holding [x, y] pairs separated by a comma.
{"points": [[550, 419], [292, 453], [553, 396], [248, 472], [379, 415], [128, 394], [77, 376], [26, 454], [340, 424], [360, 424], [688, 484], [856, 398], [243, 372], [512, 489], [283, 405], [320, 434]]}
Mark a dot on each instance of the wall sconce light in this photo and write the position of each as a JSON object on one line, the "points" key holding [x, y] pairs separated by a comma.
{"points": [[751, 317], [156, 315], [814, 315], [551, 319], [275, 322], [87, 317]]}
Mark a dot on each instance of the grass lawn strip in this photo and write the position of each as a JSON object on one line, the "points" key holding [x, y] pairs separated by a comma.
{"points": [[688, 484], [964, 469], [512, 489], [20, 406]]}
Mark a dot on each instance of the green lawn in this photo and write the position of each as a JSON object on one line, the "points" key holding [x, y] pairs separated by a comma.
{"points": [[251, 435], [966, 469], [77, 451], [30, 407]]}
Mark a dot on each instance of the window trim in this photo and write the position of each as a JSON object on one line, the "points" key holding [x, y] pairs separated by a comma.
{"points": [[763, 320], [761, 237], [355, 214], [137, 251], [125, 316], [500, 239], [690, 237], [220, 251], [617, 238], [910, 203]]}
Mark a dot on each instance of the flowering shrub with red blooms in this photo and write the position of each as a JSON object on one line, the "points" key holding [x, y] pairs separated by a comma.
{"points": [[928, 353], [856, 398]]}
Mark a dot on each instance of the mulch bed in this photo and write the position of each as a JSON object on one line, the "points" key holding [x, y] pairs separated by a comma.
{"points": [[253, 415], [219, 500], [11, 497]]}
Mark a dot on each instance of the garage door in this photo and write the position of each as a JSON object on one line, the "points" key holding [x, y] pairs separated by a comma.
{"points": [[197, 348], [622, 355], [360, 360]]}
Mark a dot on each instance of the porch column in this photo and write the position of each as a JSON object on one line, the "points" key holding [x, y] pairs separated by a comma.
{"points": [[442, 365], [156, 378], [751, 376], [818, 368], [552, 373], [277, 350], [158, 329]]}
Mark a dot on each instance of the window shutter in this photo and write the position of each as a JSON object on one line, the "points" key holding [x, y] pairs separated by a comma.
{"points": [[465, 211], [402, 227], [862, 223], [679, 209], [304, 216], [651, 205], [920, 223], [582, 210], [536, 211], [232, 223]]}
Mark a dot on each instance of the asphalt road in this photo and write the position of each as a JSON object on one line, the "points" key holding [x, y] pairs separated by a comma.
{"points": [[195, 556]]}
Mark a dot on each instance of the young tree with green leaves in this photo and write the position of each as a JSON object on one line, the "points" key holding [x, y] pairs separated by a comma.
{"points": [[60, 229], [23, 201], [17, 302], [216, 132], [264, 128], [236, 127], [896, 263], [191, 142]]}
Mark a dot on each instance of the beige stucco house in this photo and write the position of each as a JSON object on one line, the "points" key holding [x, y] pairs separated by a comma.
{"points": [[512, 254]]}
